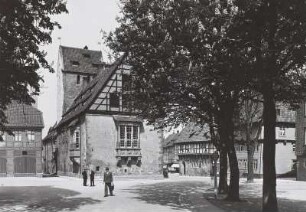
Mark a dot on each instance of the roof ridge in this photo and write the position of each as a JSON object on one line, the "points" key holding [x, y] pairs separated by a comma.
{"points": [[77, 48]]}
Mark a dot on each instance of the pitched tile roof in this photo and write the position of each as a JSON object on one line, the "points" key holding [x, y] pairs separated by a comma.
{"points": [[194, 133], [190, 133], [88, 95], [23, 116], [81, 60]]}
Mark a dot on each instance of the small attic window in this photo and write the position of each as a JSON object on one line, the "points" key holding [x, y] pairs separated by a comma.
{"points": [[74, 63], [86, 55], [95, 65]]}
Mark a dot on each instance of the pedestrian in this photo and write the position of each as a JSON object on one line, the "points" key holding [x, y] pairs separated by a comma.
{"points": [[108, 180], [84, 173], [92, 178]]}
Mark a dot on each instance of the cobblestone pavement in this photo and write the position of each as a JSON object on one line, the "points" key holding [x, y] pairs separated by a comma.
{"points": [[133, 194], [68, 194]]}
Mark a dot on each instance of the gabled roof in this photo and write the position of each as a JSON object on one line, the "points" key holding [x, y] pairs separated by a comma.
{"points": [[190, 133], [81, 60], [194, 133], [51, 134], [88, 95], [23, 116]]}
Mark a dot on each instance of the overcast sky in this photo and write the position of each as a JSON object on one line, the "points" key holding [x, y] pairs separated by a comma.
{"points": [[80, 27]]}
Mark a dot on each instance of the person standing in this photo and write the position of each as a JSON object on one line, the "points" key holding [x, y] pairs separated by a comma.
{"points": [[92, 178], [108, 180], [84, 173]]}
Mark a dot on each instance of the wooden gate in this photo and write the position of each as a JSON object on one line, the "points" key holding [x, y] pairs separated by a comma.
{"points": [[25, 165], [3, 165]]}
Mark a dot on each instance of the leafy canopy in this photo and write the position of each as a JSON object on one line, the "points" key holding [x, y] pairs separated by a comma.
{"points": [[24, 26]]}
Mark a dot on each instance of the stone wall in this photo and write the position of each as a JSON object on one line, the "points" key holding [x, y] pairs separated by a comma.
{"points": [[102, 138]]}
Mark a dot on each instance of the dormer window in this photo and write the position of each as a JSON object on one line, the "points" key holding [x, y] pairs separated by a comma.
{"points": [[75, 63]]}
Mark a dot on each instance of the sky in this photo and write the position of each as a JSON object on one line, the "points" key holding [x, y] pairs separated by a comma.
{"points": [[81, 26]]}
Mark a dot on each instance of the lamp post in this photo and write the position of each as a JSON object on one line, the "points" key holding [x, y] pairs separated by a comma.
{"points": [[215, 157]]}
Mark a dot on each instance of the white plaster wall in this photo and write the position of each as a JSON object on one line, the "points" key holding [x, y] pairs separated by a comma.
{"points": [[283, 158]]}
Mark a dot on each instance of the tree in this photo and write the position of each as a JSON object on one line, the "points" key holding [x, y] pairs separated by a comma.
{"points": [[249, 127], [183, 66], [272, 34], [25, 25]]}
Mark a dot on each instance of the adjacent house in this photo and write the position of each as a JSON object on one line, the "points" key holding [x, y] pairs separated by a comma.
{"points": [[96, 129], [191, 149], [285, 147], [301, 141], [20, 150]]}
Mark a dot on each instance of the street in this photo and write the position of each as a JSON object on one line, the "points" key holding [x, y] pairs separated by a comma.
{"points": [[134, 194]]}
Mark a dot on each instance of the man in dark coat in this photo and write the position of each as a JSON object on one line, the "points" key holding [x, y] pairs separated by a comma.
{"points": [[92, 178], [108, 180], [84, 173]]}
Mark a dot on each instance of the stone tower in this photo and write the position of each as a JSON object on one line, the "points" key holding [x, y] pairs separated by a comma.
{"points": [[76, 68]]}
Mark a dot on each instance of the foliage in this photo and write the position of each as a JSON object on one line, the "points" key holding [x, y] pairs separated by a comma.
{"points": [[25, 25]]}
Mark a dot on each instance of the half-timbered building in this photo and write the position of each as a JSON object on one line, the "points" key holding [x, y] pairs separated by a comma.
{"points": [[191, 149], [20, 150], [97, 129]]}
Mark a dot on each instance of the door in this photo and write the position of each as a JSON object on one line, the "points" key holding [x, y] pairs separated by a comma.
{"points": [[3, 165], [25, 165]]}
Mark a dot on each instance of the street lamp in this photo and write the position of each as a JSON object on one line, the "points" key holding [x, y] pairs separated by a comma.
{"points": [[215, 157]]}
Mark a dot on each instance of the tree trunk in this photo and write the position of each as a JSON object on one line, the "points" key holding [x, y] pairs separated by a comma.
{"points": [[233, 191], [223, 187], [251, 149], [269, 200], [227, 136]]}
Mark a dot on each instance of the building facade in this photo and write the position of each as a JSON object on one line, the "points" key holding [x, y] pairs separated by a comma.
{"points": [[191, 149], [301, 141], [20, 152], [97, 129], [285, 157]]}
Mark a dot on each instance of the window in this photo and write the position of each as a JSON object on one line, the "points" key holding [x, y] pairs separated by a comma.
{"points": [[278, 111], [2, 136], [86, 55], [24, 153], [78, 79], [122, 135], [31, 135], [75, 63], [17, 136], [77, 138], [282, 131], [305, 108], [255, 164], [293, 147], [135, 136], [114, 100], [129, 136]]}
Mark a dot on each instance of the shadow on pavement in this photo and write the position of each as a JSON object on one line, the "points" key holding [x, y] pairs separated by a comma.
{"points": [[177, 195], [251, 201], [40, 199]]}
